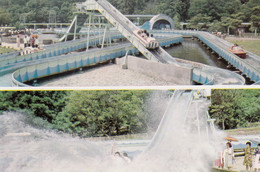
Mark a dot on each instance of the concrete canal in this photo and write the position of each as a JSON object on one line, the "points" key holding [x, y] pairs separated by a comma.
{"points": [[190, 49]]}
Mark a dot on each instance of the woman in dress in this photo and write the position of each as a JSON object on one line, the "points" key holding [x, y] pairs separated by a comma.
{"points": [[228, 156], [257, 159], [248, 157]]}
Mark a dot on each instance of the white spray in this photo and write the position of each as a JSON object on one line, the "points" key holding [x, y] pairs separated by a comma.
{"points": [[181, 143]]}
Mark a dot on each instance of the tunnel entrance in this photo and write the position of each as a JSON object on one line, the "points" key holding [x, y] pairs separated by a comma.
{"points": [[161, 24]]}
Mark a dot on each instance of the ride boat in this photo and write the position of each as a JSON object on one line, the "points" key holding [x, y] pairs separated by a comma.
{"points": [[147, 39], [237, 50]]}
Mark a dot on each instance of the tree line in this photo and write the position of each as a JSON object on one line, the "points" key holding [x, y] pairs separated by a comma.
{"points": [[115, 112], [234, 108], [209, 15], [89, 113]]}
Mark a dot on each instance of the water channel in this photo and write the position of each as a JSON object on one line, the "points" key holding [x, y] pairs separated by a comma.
{"points": [[194, 51], [189, 49]]}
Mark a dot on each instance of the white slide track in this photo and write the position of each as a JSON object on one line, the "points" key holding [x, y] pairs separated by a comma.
{"points": [[126, 28], [184, 140], [174, 117]]}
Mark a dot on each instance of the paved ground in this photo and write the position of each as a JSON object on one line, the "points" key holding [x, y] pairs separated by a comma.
{"points": [[106, 75]]}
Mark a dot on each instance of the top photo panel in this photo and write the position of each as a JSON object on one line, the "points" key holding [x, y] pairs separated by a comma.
{"points": [[129, 43]]}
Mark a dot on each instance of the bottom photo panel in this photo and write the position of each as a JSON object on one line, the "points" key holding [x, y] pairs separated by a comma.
{"points": [[177, 130]]}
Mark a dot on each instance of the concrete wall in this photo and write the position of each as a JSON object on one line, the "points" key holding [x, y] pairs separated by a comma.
{"points": [[169, 72]]}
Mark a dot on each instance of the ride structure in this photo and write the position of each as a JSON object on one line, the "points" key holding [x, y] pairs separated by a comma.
{"points": [[188, 111], [202, 74], [126, 28], [183, 133], [74, 28]]}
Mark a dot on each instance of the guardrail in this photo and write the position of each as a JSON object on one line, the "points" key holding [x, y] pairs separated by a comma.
{"points": [[8, 55], [74, 61], [246, 68], [55, 50]]}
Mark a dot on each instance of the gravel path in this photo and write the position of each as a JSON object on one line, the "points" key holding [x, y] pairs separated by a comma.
{"points": [[105, 75]]}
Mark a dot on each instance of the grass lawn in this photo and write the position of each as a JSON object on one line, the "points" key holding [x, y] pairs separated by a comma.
{"points": [[250, 45], [6, 50], [252, 129]]}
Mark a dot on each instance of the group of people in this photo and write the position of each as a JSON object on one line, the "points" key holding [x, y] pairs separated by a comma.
{"points": [[251, 159], [28, 41], [120, 157], [144, 34]]}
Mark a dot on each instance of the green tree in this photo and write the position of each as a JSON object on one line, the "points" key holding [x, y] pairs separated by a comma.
{"points": [[223, 108], [235, 108], [44, 104], [167, 7], [231, 22], [255, 18], [182, 8], [250, 103], [200, 22], [92, 113], [5, 17]]}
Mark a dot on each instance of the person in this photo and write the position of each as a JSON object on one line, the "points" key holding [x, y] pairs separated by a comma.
{"points": [[28, 40], [121, 159], [235, 45], [33, 42], [219, 160], [126, 157], [147, 34], [25, 41], [116, 154], [144, 35], [248, 157], [18, 41], [36, 42], [228, 156], [257, 159]]}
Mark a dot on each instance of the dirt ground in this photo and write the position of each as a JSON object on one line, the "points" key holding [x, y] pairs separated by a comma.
{"points": [[106, 75]]}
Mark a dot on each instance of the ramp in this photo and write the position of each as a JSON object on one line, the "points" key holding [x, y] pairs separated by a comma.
{"points": [[178, 104], [184, 140], [126, 27]]}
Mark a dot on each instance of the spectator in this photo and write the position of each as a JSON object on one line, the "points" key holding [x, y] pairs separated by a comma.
{"points": [[25, 40], [257, 159], [18, 41], [228, 156], [248, 156], [36, 42], [33, 42]]}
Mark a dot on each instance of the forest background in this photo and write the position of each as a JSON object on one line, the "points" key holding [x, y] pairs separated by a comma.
{"points": [[117, 112], [208, 15]]}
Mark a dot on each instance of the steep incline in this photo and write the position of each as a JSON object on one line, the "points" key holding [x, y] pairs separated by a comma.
{"points": [[126, 27]]}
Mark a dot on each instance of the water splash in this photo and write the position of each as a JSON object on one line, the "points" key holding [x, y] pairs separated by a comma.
{"points": [[43, 150], [184, 141], [181, 143]]}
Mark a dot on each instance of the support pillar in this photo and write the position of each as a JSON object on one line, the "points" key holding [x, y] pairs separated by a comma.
{"points": [[104, 36], [75, 28], [125, 65], [89, 24]]}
